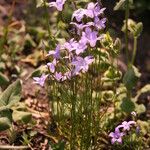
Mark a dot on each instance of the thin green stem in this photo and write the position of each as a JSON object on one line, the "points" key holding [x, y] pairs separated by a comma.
{"points": [[73, 114], [126, 32], [48, 24], [134, 50]]}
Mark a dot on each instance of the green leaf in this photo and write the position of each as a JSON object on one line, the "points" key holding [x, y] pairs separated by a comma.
{"points": [[127, 105], [5, 118], [5, 112], [22, 116], [134, 28], [121, 4], [3, 80], [38, 72], [39, 3], [144, 126], [145, 89], [2, 66], [20, 106], [140, 108], [5, 123], [139, 29], [11, 95], [117, 45], [107, 95], [112, 74], [58, 146], [131, 77]]}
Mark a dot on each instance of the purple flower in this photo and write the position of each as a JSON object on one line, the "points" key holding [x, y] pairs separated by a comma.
{"points": [[81, 26], [82, 64], [100, 24], [58, 4], [116, 136], [81, 47], [52, 65], [74, 45], [71, 45], [90, 36], [55, 53], [94, 10], [40, 80], [78, 14], [66, 76], [58, 76], [126, 125], [98, 11], [90, 10]]}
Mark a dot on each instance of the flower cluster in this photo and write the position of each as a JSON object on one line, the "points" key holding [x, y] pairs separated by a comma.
{"points": [[70, 58], [117, 134]]}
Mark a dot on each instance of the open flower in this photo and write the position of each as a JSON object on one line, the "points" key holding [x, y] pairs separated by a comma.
{"points": [[40, 80], [58, 76], [78, 47], [90, 36], [52, 65], [116, 136], [81, 26], [55, 53], [79, 14], [99, 23], [58, 4], [82, 64], [98, 11], [90, 10], [81, 47], [94, 10], [71, 45], [126, 125]]}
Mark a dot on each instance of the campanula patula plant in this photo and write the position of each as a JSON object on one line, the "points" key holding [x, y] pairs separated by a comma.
{"points": [[89, 96]]}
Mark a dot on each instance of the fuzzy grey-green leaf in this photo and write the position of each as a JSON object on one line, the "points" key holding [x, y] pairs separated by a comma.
{"points": [[140, 108], [121, 4], [5, 123], [3, 80], [130, 78], [11, 95], [127, 105], [23, 116]]}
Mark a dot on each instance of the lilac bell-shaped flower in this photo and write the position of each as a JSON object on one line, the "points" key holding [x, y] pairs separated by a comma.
{"points": [[40, 80], [58, 4], [116, 136]]}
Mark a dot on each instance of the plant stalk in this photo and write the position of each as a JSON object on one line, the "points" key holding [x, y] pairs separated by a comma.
{"points": [[126, 32], [134, 51], [48, 25]]}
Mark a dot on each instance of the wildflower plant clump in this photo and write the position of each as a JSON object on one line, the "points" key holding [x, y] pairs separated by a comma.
{"points": [[81, 75], [75, 72]]}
